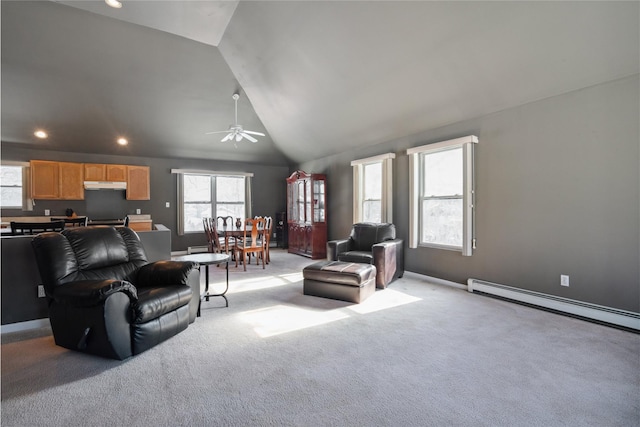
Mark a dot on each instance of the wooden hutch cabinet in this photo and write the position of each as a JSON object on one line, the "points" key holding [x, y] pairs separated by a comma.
{"points": [[306, 214]]}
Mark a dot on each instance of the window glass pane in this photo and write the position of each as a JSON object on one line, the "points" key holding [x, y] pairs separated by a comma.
{"points": [[197, 188], [373, 181], [230, 189], [11, 197], [11, 175], [443, 173], [11, 182], [372, 211], [442, 222], [234, 210], [193, 214]]}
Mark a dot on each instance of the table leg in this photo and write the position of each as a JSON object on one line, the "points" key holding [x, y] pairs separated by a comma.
{"points": [[206, 280], [222, 294]]}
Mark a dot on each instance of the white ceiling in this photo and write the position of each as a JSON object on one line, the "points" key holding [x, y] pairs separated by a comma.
{"points": [[317, 77], [202, 21]]}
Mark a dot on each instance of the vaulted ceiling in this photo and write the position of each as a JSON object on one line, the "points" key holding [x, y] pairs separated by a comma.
{"points": [[317, 78]]}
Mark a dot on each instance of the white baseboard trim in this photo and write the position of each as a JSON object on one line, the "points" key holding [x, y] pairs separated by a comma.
{"points": [[24, 326], [614, 316]]}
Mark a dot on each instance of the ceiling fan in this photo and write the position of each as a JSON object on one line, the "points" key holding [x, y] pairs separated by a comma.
{"points": [[235, 131]]}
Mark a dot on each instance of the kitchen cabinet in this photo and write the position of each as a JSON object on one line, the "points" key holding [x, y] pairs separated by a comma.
{"points": [[65, 180], [95, 172], [116, 173], [138, 183], [57, 180], [45, 178], [306, 214], [71, 181]]}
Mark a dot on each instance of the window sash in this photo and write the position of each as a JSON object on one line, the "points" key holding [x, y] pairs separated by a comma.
{"points": [[22, 189], [417, 220], [361, 200], [211, 204]]}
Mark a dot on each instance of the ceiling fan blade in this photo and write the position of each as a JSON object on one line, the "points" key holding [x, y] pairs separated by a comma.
{"points": [[218, 131], [249, 137], [254, 133], [227, 138]]}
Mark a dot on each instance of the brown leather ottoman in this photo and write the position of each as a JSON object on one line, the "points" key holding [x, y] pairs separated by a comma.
{"points": [[346, 281]]}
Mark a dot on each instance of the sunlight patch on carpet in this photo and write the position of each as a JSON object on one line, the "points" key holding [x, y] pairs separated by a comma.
{"points": [[382, 300], [262, 282], [280, 319]]}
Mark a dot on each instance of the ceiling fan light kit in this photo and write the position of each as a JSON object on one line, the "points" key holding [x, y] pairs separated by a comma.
{"points": [[235, 131]]}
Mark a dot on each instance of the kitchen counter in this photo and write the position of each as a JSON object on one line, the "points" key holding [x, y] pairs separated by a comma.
{"points": [[140, 222]]}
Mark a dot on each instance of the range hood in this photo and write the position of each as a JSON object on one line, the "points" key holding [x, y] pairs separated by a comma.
{"points": [[105, 185]]}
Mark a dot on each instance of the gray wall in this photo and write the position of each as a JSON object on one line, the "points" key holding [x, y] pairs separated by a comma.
{"points": [[269, 187], [558, 192]]}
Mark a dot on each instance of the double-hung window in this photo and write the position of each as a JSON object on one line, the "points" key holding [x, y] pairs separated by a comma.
{"points": [[442, 195], [204, 194], [14, 186], [373, 189]]}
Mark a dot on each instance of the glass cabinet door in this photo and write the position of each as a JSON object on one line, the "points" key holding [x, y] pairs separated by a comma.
{"points": [[307, 200], [300, 201], [318, 201]]}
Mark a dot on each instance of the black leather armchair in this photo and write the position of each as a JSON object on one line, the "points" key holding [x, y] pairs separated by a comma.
{"points": [[105, 298], [371, 243]]}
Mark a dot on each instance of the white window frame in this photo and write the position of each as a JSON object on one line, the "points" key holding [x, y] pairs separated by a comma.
{"points": [[415, 154], [27, 201], [386, 208], [211, 174]]}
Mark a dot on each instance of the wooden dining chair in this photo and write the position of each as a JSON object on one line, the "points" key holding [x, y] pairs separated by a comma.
{"points": [[252, 241], [30, 228], [222, 222], [215, 243], [266, 240]]}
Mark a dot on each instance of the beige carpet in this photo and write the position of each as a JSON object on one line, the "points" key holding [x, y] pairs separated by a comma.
{"points": [[415, 354]]}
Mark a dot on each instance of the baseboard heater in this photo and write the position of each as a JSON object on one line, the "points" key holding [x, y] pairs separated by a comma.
{"points": [[197, 249], [613, 316]]}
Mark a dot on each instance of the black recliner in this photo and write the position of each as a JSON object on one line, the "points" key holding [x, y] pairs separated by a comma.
{"points": [[371, 243], [105, 298]]}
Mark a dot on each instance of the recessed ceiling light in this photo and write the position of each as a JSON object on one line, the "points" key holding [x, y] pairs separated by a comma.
{"points": [[40, 134], [122, 141], [113, 3]]}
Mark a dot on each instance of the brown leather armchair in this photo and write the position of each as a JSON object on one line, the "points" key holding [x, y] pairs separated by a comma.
{"points": [[371, 243]]}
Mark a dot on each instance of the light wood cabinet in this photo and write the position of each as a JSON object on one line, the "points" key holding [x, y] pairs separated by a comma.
{"points": [[71, 181], [45, 178], [95, 172], [116, 173], [138, 183], [65, 180], [57, 180]]}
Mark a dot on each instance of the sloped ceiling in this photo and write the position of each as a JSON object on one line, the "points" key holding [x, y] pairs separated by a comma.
{"points": [[317, 77]]}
